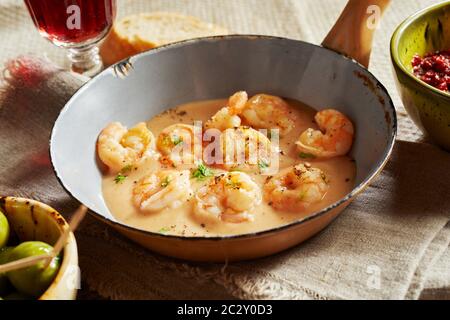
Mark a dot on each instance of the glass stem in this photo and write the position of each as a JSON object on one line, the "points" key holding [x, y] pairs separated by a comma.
{"points": [[86, 60]]}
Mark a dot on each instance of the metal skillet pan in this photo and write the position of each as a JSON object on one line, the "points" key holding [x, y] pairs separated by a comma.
{"points": [[213, 68]]}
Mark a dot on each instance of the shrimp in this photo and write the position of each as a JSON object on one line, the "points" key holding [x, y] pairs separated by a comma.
{"points": [[228, 117], [269, 112], [247, 150], [230, 197], [180, 145], [334, 139], [296, 189], [119, 147], [165, 189]]}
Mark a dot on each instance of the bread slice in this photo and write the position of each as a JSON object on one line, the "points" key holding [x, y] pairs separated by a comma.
{"points": [[136, 33]]}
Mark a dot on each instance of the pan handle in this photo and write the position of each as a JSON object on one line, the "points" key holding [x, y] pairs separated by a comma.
{"points": [[352, 35]]}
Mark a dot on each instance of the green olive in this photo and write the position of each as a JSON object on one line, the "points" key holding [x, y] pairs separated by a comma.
{"points": [[4, 230], [33, 280], [4, 282]]}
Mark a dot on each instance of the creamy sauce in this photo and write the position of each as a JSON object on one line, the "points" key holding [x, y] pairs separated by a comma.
{"points": [[340, 172]]}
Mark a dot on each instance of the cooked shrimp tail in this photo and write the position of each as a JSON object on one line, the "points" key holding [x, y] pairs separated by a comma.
{"points": [[228, 117], [119, 147], [165, 189], [269, 112], [335, 137], [180, 145], [229, 197], [297, 189]]}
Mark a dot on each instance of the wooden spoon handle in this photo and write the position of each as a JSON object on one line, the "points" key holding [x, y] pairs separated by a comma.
{"points": [[352, 35]]}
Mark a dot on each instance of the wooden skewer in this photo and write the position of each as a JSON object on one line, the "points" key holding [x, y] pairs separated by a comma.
{"points": [[24, 263], [77, 217], [30, 261]]}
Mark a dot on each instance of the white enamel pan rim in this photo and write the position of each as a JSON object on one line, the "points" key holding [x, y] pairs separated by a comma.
{"points": [[118, 69]]}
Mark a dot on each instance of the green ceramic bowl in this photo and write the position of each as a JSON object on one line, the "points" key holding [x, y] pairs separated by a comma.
{"points": [[424, 32]]}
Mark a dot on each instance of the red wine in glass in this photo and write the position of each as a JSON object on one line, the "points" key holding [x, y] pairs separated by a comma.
{"points": [[77, 25]]}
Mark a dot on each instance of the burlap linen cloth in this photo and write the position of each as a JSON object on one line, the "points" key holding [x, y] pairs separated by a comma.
{"points": [[391, 243]]}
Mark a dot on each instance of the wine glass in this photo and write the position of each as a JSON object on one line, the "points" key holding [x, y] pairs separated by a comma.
{"points": [[78, 26]]}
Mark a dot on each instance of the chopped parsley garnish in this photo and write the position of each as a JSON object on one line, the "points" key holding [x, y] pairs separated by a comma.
{"points": [[263, 165], [176, 140], [120, 178], [307, 155], [165, 183], [202, 172], [164, 230]]}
